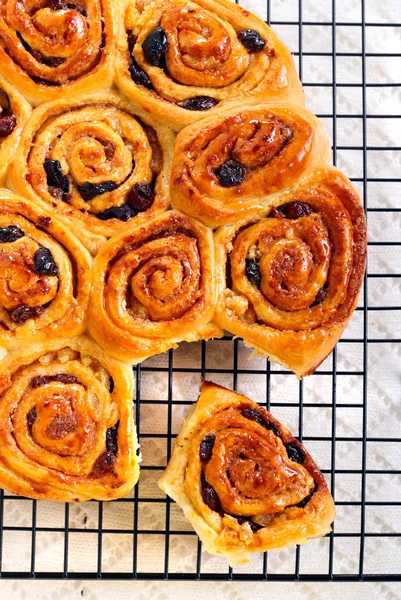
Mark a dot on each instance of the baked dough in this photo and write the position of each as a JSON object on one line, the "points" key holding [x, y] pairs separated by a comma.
{"points": [[66, 427], [55, 48], [97, 140], [294, 273], [153, 287], [269, 147], [206, 65], [14, 112], [243, 481], [45, 275]]}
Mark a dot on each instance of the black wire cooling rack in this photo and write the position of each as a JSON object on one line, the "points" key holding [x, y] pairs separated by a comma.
{"points": [[143, 536]]}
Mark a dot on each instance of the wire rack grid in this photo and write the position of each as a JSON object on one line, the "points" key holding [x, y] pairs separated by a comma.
{"points": [[144, 536]]}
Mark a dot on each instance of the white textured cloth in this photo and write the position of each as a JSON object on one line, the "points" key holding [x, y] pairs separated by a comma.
{"points": [[382, 554]]}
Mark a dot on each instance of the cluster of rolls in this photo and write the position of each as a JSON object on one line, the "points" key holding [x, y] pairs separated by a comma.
{"points": [[120, 238]]}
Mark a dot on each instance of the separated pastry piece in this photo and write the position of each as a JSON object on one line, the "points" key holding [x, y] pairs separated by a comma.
{"points": [[66, 427], [14, 112], [54, 47], [96, 163], [243, 481], [227, 167], [181, 61], [289, 281], [45, 275], [154, 286]]}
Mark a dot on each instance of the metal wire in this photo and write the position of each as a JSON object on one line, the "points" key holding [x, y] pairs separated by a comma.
{"points": [[264, 571]]}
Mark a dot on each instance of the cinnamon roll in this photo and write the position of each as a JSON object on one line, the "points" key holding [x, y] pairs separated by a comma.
{"points": [[96, 162], [66, 428], [14, 112], [243, 481], [154, 286], [45, 275], [289, 281], [181, 61], [54, 47], [229, 166]]}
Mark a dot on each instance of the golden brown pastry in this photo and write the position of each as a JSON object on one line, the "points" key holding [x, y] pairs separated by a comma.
{"points": [[96, 162], [153, 287], [45, 275], [50, 48], [181, 61], [66, 427], [289, 281], [14, 112], [243, 481], [227, 167]]}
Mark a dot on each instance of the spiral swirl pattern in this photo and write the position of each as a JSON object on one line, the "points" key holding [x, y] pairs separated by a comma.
{"points": [[153, 287], [205, 63], [66, 423], [86, 158], [226, 168], [45, 275], [297, 271], [51, 45], [245, 483]]}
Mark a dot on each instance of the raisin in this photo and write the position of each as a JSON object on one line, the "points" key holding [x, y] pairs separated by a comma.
{"points": [[44, 262], [10, 234], [139, 76], [31, 417], [295, 210], [254, 526], [55, 176], [111, 385], [141, 197], [89, 190], [253, 271], [272, 427], [252, 40], [111, 438], [131, 39], [44, 221], [305, 501], [41, 81], [200, 103], [104, 464], [57, 4], [206, 447], [52, 61], [155, 46], [123, 213], [23, 313], [295, 453], [7, 125], [320, 297], [231, 173], [65, 378], [253, 415], [210, 498], [38, 56]]}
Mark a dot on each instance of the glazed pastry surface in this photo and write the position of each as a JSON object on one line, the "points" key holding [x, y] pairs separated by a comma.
{"points": [[153, 287], [289, 280], [66, 427], [45, 275], [181, 61], [49, 49], [243, 481]]}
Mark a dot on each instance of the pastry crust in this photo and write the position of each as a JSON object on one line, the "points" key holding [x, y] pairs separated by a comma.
{"points": [[45, 275], [204, 58], [277, 146], [311, 271], [59, 406], [64, 50], [96, 139], [153, 287], [14, 112], [268, 492]]}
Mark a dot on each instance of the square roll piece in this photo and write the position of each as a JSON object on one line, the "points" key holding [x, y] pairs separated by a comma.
{"points": [[243, 481]]}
